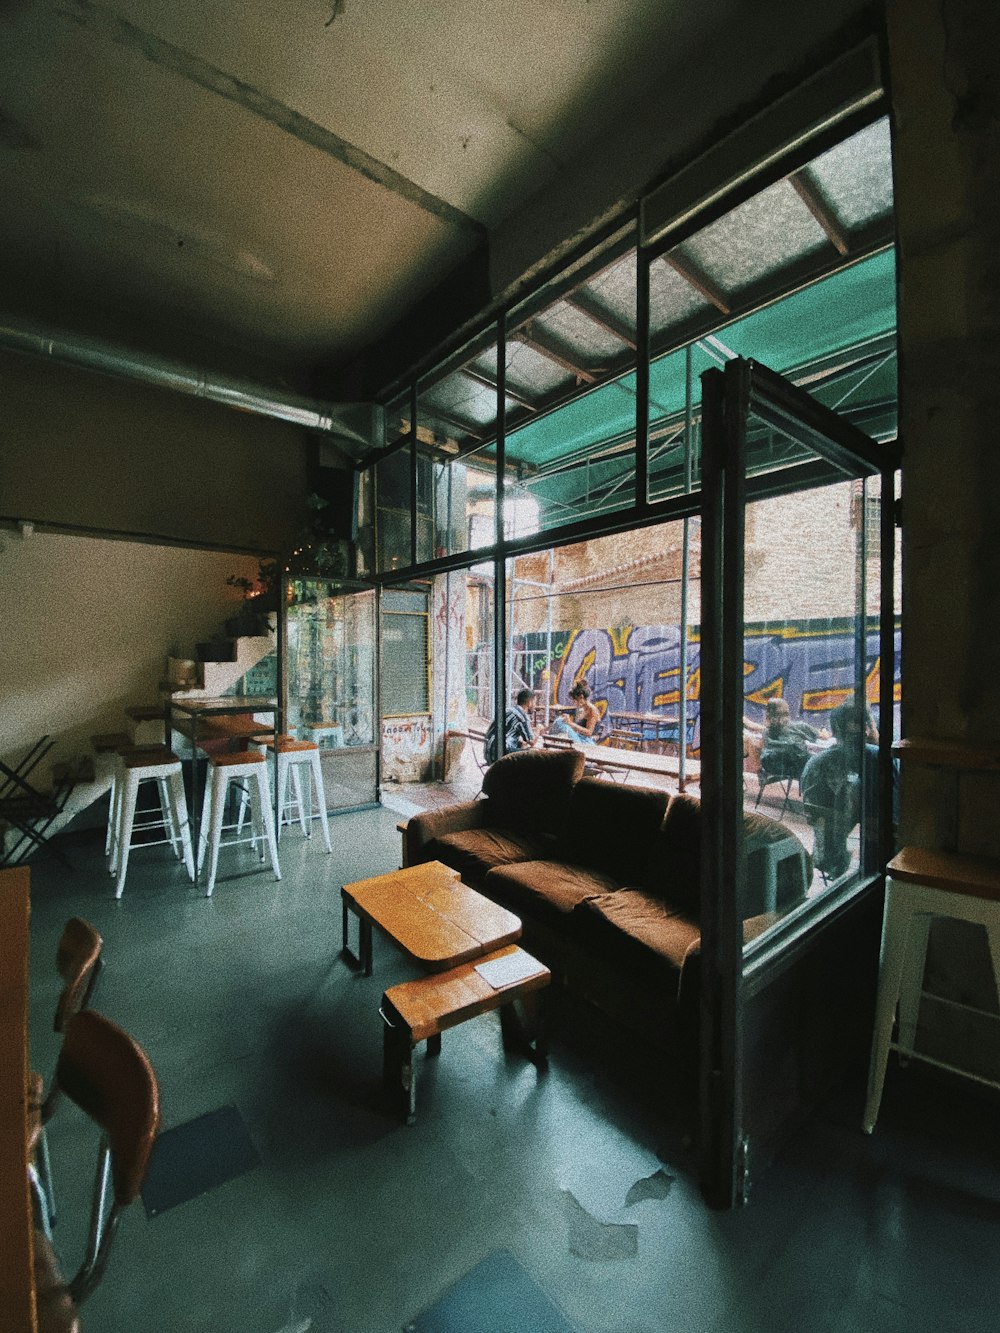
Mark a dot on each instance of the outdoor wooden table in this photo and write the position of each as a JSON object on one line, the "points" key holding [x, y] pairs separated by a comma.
{"points": [[435, 918], [197, 710], [613, 760], [646, 726]]}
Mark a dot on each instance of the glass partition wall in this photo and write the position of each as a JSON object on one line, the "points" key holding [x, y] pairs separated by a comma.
{"points": [[330, 687], [570, 520]]}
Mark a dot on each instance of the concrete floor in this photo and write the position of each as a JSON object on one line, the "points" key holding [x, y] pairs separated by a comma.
{"points": [[356, 1223]]}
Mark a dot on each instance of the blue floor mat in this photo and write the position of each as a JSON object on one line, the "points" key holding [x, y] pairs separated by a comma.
{"points": [[497, 1296], [194, 1158]]}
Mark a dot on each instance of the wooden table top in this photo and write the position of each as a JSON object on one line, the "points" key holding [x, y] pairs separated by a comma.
{"points": [[245, 703], [435, 918]]}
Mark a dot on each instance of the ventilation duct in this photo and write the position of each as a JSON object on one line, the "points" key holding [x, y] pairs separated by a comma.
{"points": [[356, 427]]}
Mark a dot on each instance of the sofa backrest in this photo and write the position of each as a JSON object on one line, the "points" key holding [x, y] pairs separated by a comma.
{"points": [[530, 790], [612, 828], [779, 868]]}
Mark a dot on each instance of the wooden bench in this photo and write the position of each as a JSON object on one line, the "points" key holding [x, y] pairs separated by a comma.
{"points": [[421, 1010]]}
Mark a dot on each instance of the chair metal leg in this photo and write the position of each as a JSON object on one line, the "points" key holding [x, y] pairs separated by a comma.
{"points": [[129, 797], [319, 793], [268, 817], [178, 802]]}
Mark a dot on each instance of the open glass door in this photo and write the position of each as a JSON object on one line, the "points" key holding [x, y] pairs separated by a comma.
{"points": [[799, 692]]}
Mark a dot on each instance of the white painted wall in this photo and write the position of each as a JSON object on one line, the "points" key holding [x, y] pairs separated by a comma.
{"points": [[87, 625]]}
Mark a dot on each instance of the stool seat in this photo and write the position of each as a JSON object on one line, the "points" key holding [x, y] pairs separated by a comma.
{"points": [[977, 876], [921, 885], [238, 758], [289, 745]]}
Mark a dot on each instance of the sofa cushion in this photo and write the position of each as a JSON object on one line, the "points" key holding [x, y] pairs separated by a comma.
{"points": [[530, 791], [612, 828], [639, 933], [474, 852], [546, 891]]}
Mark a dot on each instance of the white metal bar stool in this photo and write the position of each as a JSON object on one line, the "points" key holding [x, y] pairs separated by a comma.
{"points": [[293, 757], [921, 885], [134, 767], [249, 767]]}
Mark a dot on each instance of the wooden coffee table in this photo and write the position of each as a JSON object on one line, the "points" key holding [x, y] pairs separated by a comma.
{"points": [[435, 918]]}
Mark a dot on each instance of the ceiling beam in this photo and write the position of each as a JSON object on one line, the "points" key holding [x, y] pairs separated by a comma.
{"points": [[820, 210], [603, 318], [457, 422], [694, 277], [109, 26], [528, 336]]}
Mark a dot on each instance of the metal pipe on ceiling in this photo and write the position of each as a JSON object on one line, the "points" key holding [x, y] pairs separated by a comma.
{"points": [[346, 421]]}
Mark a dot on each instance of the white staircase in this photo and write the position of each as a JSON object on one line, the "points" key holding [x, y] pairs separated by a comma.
{"points": [[210, 679]]}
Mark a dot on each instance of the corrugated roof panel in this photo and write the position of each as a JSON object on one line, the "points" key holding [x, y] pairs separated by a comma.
{"points": [[842, 311], [460, 399], [615, 288], [766, 234], [587, 343], [532, 374], [671, 299], [855, 177]]}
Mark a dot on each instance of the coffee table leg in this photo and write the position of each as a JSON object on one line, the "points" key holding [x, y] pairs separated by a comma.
{"points": [[526, 1031], [398, 1070], [363, 958]]}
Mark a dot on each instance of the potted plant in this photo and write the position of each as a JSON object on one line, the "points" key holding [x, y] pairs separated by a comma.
{"points": [[260, 597]]}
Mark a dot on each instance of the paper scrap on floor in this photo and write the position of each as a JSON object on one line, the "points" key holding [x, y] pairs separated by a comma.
{"points": [[511, 967]]}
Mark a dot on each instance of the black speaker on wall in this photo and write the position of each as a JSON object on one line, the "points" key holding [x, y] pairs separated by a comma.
{"points": [[338, 487]]}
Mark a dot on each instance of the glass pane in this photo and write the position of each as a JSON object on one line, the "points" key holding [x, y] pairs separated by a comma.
{"points": [[456, 477], [331, 639], [570, 448], [393, 518], [609, 614], [392, 484], [674, 399], [365, 542], [811, 602]]}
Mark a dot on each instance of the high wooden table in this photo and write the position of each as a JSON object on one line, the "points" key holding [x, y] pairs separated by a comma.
{"points": [[435, 918]]}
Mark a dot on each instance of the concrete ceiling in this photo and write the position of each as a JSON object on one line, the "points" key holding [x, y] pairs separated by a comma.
{"points": [[288, 180]]}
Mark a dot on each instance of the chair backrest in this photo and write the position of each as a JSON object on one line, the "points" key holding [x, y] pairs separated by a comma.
{"points": [[78, 962], [110, 1078]]}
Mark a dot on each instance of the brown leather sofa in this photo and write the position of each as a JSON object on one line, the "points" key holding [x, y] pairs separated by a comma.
{"points": [[606, 879]]}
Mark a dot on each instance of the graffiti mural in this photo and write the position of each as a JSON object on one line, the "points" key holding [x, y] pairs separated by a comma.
{"points": [[636, 669]]}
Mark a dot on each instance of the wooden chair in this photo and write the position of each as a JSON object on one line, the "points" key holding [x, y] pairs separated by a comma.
{"points": [[78, 962], [107, 1074]]}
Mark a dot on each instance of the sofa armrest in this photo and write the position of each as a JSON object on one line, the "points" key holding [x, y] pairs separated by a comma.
{"points": [[422, 829]]}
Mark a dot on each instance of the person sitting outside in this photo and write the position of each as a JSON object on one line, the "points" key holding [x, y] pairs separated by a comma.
{"points": [[581, 726], [785, 749], [518, 731], [832, 794]]}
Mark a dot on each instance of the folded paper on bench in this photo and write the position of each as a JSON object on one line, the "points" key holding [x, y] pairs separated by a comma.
{"points": [[509, 968]]}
